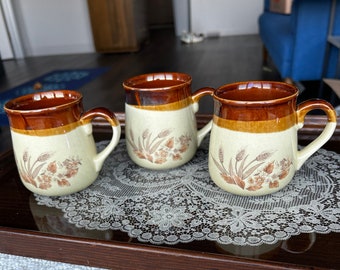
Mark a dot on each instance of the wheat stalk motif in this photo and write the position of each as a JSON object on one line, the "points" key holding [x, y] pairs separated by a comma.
{"points": [[158, 149], [248, 175], [41, 176]]}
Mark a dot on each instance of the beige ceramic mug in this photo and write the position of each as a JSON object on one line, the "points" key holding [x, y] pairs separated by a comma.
{"points": [[53, 144], [253, 141], [161, 129]]}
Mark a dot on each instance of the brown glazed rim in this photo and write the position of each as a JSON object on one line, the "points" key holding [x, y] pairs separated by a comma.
{"points": [[234, 86], [10, 105], [177, 76]]}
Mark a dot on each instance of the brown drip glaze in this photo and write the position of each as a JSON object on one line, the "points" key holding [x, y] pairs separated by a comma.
{"points": [[44, 110], [100, 112], [52, 113], [255, 101], [314, 104], [157, 88]]}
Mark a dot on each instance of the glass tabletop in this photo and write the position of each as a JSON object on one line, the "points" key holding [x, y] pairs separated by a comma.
{"points": [[31, 229]]}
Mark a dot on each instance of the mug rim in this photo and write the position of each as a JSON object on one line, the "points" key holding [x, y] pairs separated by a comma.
{"points": [[154, 76], [235, 86], [9, 106]]}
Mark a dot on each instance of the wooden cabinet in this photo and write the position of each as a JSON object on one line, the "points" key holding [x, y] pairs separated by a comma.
{"points": [[118, 25]]}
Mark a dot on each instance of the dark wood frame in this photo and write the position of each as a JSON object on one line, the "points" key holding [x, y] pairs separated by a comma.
{"points": [[118, 255], [121, 255]]}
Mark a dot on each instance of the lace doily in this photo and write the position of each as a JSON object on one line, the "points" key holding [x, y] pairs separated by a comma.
{"points": [[183, 204]]}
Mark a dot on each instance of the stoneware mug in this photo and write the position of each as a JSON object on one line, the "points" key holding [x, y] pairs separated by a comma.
{"points": [[253, 143], [52, 141], [161, 129]]}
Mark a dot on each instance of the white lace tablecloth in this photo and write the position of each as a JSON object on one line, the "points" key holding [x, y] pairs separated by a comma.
{"points": [[183, 204]]}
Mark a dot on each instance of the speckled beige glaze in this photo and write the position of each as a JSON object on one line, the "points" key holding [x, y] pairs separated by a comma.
{"points": [[53, 144], [161, 127], [253, 142]]}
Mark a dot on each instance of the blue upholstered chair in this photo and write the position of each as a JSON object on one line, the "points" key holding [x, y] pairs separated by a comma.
{"points": [[333, 69], [297, 43]]}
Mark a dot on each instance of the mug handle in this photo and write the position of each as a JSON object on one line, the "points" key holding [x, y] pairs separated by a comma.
{"points": [[196, 96], [325, 135], [116, 129]]}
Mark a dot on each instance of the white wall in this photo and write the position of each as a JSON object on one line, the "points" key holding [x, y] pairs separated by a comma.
{"points": [[50, 27], [226, 17], [218, 17], [180, 10], [5, 43]]}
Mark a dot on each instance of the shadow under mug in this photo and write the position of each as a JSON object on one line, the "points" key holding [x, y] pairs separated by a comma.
{"points": [[161, 129], [253, 141], [53, 144]]}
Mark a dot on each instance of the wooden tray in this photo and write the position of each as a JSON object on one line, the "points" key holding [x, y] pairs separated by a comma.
{"points": [[21, 233]]}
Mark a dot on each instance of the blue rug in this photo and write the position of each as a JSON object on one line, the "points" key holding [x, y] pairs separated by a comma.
{"points": [[71, 79]]}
